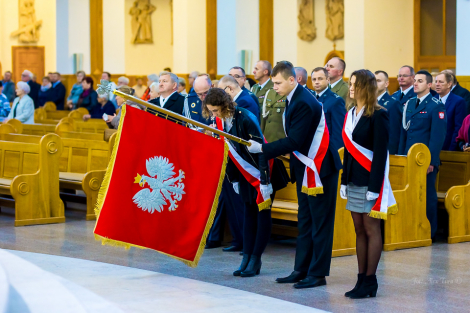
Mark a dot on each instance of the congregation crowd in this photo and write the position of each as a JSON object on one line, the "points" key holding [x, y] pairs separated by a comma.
{"points": [[279, 115]]}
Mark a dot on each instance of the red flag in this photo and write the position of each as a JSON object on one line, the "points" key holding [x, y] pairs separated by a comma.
{"points": [[161, 187]]}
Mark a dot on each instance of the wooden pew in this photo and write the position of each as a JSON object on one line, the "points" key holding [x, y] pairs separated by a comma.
{"points": [[32, 129], [453, 189], [406, 227], [82, 164], [30, 174], [53, 113]]}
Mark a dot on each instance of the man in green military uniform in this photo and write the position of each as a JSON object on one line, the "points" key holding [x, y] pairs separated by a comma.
{"points": [[335, 68], [272, 109], [262, 73]]}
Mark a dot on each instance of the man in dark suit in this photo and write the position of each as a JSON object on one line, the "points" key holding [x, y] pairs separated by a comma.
{"points": [[333, 106], [169, 98], [405, 78], [27, 77], [316, 213], [425, 122], [238, 73], [394, 109], [241, 97], [455, 109], [57, 91], [459, 90]]}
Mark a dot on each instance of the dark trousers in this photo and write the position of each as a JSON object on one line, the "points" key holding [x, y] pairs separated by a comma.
{"points": [[431, 200], [316, 221], [232, 205], [257, 230]]}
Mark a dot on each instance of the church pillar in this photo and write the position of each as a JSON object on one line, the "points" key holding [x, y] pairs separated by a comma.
{"points": [[463, 38]]}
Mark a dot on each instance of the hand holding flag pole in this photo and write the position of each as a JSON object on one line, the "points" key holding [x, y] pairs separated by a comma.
{"points": [[105, 88]]}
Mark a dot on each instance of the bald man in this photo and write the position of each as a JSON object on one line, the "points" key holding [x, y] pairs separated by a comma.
{"points": [[193, 100], [241, 97], [336, 67]]}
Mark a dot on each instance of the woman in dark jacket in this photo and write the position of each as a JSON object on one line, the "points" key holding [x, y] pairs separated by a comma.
{"points": [[89, 98], [257, 224], [370, 130]]}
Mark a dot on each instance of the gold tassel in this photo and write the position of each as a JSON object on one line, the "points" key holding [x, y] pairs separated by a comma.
{"points": [[312, 191], [266, 205], [379, 215]]}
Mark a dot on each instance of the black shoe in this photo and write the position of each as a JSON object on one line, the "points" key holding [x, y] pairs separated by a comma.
{"points": [[368, 288], [232, 249], [243, 266], [360, 279], [310, 282], [212, 244], [292, 278], [241, 252], [253, 268]]}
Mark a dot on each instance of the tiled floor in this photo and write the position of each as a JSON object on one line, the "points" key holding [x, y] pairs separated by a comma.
{"points": [[427, 279]]}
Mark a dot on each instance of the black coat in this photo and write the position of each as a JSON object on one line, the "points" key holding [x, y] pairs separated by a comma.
{"points": [[302, 116], [34, 92], [175, 104], [89, 102], [57, 95], [464, 93], [371, 133]]}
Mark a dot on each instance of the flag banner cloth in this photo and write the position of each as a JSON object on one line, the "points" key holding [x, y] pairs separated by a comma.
{"points": [[386, 200], [161, 187]]}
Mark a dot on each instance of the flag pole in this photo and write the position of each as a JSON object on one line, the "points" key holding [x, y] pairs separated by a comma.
{"points": [[104, 88]]}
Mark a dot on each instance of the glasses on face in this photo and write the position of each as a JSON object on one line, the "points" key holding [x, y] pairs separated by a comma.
{"points": [[403, 75], [225, 89], [236, 76], [202, 94]]}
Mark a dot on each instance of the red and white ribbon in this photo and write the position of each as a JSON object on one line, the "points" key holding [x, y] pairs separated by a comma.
{"points": [[364, 156]]}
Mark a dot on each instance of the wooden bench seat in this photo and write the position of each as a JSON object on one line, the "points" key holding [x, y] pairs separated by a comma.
{"points": [[29, 172]]}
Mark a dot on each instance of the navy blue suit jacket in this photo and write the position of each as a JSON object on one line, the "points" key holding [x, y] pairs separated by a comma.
{"points": [[57, 95], [428, 125], [34, 92], [245, 101], [302, 116], [395, 115], [195, 108], [408, 96], [252, 95], [335, 111], [456, 112]]}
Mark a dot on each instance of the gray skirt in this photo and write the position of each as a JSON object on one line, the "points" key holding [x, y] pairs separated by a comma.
{"points": [[357, 201]]}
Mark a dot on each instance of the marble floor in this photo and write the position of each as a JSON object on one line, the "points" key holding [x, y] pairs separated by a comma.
{"points": [[426, 279]]}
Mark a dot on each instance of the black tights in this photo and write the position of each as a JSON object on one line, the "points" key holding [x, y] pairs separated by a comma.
{"points": [[368, 242], [256, 230]]}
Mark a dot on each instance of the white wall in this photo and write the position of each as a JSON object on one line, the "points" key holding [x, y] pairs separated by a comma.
{"points": [[114, 50], [285, 30], [463, 37], [354, 41]]}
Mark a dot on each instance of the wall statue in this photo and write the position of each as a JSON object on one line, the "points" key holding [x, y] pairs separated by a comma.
{"points": [[28, 25], [306, 18], [334, 19], [141, 23]]}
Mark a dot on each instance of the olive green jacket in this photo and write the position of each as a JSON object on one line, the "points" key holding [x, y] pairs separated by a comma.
{"points": [[341, 89], [272, 109], [260, 93]]}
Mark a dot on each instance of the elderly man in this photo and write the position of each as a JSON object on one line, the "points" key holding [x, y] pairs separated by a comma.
{"points": [[169, 98], [57, 91], [336, 67], [238, 73], [193, 101], [123, 81], [406, 79], [27, 77], [191, 79], [302, 77], [262, 73], [8, 87], [459, 90], [241, 97]]}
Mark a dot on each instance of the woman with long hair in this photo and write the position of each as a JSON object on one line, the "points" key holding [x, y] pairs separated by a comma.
{"points": [[257, 221], [366, 134]]}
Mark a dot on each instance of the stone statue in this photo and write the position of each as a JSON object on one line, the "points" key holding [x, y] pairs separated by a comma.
{"points": [[141, 23], [28, 25], [334, 19], [306, 18]]}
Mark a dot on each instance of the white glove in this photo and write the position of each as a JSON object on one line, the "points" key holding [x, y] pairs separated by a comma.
{"points": [[343, 192], [236, 188], [255, 147], [370, 196], [266, 190]]}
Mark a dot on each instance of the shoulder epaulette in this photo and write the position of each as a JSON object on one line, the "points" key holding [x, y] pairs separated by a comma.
{"points": [[436, 100]]}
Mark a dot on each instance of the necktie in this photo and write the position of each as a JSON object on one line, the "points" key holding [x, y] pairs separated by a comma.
{"points": [[402, 95], [318, 96], [417, 103]]}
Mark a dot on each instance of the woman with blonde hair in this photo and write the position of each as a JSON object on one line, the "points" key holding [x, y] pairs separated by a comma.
{"points": [[364, 181]]}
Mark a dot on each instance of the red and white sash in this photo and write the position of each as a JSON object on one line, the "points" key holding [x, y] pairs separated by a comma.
{"points": [[311, 183], [251, 173], [364, 156]]}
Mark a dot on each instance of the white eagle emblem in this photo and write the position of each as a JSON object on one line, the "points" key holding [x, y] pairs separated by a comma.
{"points": [[163, 186]]}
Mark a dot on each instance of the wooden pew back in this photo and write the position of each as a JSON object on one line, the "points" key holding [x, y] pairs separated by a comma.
{"points": [[454, 171]]}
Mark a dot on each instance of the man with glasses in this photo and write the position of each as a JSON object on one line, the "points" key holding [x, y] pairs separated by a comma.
{"points": [[238, 73], [406, 77], [241, 97], [193, 101]]}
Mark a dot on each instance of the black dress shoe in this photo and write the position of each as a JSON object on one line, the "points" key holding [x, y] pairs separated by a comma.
{"points": [[292, 278], [241, 252], [360, 279], [212, 244], [253, 268], [232, 249], [310, 282]]}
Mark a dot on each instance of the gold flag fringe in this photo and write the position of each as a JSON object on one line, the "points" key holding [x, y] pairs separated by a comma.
{"points": [[265, 205], [104, 190], [382, 215], [312, 191]]}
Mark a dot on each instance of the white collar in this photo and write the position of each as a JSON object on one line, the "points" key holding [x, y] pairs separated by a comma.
{"points": [[380, 97], [407, 90], [304, 85], [321, 93], [453, 87], [424, 97], [335, 83], [238, 95], [228, 123], [289, 96], [356, 118], [444, 99], [264, 84], [164, 100]]}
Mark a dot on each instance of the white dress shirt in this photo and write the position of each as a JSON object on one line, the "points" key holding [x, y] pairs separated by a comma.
{"points": [[164, 100], [444, 99], [380, 97]]}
